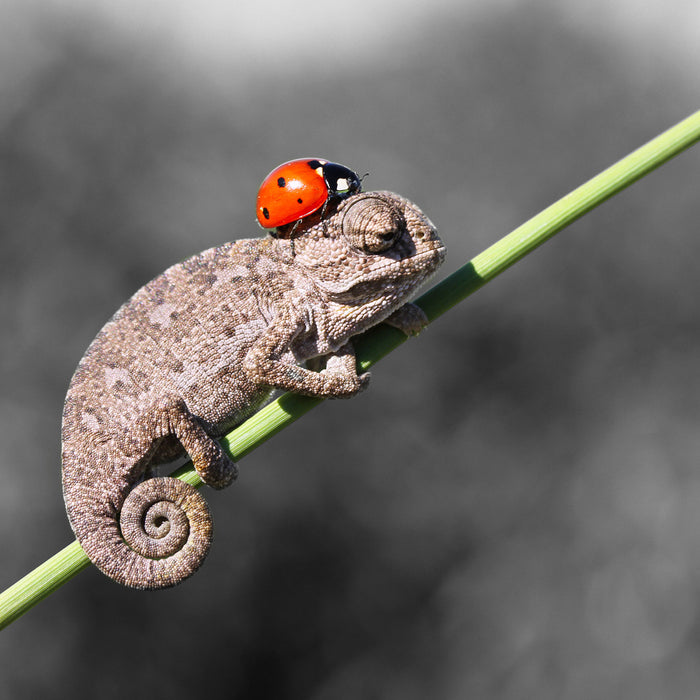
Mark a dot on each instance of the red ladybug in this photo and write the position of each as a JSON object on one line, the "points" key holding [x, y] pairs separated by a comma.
{"points": [[301, 187]]}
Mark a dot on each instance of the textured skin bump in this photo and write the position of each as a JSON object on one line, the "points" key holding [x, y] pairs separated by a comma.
{"points": [[198, 349]]}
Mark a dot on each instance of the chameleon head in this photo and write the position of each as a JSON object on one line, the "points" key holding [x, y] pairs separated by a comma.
{"points": [[377, 245]]}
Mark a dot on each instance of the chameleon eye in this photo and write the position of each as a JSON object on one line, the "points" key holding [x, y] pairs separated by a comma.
{"points": [[371, 224]]}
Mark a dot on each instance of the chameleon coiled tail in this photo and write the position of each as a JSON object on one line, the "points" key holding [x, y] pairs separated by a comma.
{"points": [[167, 522], [162, 535]]}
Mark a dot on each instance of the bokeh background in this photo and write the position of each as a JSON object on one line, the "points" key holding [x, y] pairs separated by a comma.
{"points": [[511, 510]]}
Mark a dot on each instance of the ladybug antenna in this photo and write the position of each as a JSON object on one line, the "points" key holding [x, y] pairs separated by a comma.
{"points": [[363, 177]]}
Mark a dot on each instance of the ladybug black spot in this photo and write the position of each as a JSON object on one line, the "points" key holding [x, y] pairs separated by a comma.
{"points": [[266, 213], [281, 182], [300, 201]]}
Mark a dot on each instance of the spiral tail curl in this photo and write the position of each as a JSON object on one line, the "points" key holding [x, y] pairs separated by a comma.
{"points": [[163, 535]]}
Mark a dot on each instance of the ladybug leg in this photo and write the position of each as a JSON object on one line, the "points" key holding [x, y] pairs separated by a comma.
{"points": [[291, 235], [294, 228], [323, 219]]}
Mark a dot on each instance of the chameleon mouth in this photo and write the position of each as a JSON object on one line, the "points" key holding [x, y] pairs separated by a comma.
{"points": [[408, 275], [436, 254]]}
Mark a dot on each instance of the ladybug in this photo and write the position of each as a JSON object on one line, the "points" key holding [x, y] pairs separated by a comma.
{"points": [[301, 187]]}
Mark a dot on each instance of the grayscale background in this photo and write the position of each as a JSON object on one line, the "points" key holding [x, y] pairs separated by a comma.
{"points": [[512, 509]]}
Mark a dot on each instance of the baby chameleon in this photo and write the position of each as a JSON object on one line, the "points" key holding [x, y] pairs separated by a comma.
{"points": [[200, 348]]}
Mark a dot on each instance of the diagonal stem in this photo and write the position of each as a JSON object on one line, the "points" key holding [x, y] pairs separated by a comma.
{"points": [[381, 340]]}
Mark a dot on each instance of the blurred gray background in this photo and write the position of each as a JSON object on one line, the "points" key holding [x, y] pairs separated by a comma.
{"points": [[511, 510]]}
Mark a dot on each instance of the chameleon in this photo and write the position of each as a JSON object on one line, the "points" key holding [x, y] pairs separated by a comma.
{"points": [[201, 347]]}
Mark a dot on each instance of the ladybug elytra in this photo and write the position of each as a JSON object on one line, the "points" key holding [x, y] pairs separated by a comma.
{"points": [[301, 187]]}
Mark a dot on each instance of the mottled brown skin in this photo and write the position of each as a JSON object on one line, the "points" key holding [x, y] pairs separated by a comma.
{"points": [[200, 348]]}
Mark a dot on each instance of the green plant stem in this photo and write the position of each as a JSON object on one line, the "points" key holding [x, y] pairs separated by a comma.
{"points": [[381, 340]]}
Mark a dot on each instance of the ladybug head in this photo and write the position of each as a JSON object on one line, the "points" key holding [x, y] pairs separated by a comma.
{"points": [[340, 181]]}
